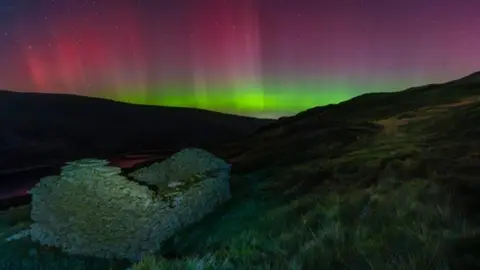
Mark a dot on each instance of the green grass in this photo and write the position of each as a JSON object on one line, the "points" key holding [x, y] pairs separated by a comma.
{"points": [[23, 254], [407, 225], [391, 225]]}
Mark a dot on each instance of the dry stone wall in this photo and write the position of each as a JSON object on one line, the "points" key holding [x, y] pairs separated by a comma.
{"points": [[90, 209]]}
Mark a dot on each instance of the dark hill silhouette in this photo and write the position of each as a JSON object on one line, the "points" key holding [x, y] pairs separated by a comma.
{"points": [[46, 128]]}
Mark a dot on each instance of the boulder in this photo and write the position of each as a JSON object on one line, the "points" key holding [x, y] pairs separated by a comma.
{"points": [[91, 209]]}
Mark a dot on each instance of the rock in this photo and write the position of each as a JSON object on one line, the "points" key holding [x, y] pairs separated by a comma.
{"points": [[90, 209], [182, 165], [19, 235]]}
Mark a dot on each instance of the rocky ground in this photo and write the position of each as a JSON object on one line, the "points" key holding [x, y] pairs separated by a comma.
{"points": [[382, 181]]}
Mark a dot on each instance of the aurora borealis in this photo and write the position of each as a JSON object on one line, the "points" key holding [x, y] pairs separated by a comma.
{"points": [[252, 57]]}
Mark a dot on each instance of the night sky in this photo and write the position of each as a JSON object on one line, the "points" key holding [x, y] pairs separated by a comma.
{"points": [[261, 58]]}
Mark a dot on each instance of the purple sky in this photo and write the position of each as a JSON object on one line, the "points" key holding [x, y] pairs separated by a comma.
{"points": [[259, 57]]}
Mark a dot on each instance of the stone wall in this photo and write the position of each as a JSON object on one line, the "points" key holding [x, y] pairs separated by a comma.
{"points": [[91, 209]]}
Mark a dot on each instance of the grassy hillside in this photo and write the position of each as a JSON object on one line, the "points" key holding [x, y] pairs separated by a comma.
{"points": [[383, 181]]}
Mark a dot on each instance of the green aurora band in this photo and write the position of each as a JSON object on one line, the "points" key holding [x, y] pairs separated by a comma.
{"points": [[271, 100]]}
